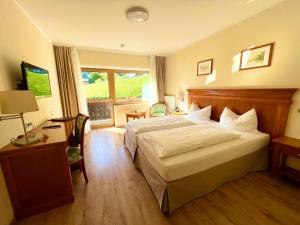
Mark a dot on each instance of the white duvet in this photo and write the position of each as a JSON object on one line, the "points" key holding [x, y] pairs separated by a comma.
{"points": [[137, 127], [155, 123], [176, 141]]}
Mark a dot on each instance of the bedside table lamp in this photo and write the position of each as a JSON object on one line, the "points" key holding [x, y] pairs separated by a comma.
{"points": [[16, 103], [180, 98]]}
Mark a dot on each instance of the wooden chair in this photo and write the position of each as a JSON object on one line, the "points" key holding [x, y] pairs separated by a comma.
{"points": [[158, 109], [76, 150]]}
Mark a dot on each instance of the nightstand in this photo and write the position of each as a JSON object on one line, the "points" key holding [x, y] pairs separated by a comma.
{"points": [[178, 113], [282, 148]]}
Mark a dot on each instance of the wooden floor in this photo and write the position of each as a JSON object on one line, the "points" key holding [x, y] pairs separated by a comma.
{"points": [[117, 194]]}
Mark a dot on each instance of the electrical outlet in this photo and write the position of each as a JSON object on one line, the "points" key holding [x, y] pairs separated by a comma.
{"points": [[28, 124], [51, 115]]}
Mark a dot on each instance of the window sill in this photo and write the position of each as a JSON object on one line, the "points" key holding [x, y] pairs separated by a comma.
{"points": [[131, 103]]}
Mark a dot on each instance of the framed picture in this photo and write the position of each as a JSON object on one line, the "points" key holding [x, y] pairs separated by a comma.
{"points": [[256, 57], [204, 67]]}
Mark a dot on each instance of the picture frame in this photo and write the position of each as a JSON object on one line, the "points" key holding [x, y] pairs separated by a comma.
{"points": [[205, 67], [256, 57]]}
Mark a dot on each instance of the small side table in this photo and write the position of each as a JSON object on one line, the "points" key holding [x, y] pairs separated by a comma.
{"points": [[283, 147], [135, 115], [178, 113]]}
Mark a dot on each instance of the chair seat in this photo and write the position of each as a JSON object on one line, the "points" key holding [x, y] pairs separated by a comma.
{"points": [[74, 154], [158, 114]]}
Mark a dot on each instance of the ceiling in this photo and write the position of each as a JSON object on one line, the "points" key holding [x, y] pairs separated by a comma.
{"points": [[173, 24]]}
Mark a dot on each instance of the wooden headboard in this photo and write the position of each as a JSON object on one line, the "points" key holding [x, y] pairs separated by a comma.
{"points": [[271, 105]]}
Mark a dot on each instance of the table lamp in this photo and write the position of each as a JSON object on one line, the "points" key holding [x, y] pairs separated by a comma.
{"points": [[15, 104], [180, 97]]}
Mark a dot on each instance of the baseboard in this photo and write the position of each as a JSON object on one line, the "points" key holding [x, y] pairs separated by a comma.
{"points": [[101, 126]]}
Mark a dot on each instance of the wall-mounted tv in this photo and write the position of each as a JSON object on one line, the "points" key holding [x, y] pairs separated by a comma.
{"points": [[36, 80]]}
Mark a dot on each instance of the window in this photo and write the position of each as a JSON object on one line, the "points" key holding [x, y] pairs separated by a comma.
{"points": [[96, 85], [105, 87], [132, 86], [97, 93]]}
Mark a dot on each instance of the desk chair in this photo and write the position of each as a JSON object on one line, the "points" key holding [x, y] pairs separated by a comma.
{"points": [[76, 151]]}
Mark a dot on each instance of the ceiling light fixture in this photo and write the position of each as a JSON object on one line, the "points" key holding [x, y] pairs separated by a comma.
{"points": [[137, 14]]}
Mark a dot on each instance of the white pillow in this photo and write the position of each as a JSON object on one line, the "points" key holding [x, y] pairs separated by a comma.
{"points": [[246, 122], [193, 108], [200, 114]]}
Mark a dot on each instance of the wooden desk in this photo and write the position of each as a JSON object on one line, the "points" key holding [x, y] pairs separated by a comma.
{"points": [[281, 148], [135, 115], [38, 176]]}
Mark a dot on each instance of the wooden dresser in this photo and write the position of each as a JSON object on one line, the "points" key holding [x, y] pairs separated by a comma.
{"points": [[38, 176]]}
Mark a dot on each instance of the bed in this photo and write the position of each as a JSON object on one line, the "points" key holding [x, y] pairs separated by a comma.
{"points": [[137, 127], [179, 179]]}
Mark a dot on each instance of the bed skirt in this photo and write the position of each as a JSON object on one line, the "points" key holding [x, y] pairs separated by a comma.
{"points": [[174, 194], [131, 148]]}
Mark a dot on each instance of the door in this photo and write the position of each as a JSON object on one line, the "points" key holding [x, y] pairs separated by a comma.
{"points": [[106, 87], [99, 95]]}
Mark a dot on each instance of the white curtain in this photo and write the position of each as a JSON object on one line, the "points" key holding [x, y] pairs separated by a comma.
{"points": [[82, 103], [153, 93]]}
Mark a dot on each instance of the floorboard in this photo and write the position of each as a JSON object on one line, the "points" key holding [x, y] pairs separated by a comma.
{"points": [[117, 194]]}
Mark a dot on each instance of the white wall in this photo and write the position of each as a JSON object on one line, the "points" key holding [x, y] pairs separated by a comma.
{"points": [[279, 24], [109, 59], [21, 40]]}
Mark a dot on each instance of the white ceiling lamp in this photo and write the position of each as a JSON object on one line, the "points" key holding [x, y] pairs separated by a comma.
{"points": [[137, 14]]}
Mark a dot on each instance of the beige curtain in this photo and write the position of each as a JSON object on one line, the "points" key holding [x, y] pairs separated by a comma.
{"points": [[81, 98], [66, 80], [160, 76], [153, 90]]}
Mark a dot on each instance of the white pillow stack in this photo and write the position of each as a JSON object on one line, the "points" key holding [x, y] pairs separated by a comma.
{"points": [[246, 122], [195, 113], [193, 108]]}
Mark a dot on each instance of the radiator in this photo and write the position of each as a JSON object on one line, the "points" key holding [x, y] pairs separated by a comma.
{"points": [[121, 110]]}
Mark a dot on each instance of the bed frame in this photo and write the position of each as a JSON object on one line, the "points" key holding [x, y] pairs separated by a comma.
{"points": [[271, 105]]}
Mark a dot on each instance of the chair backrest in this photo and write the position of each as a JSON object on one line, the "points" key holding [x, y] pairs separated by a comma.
{"points": [[79, 130], [158, 108]]}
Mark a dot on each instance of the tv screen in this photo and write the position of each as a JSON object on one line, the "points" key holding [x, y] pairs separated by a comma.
{"points": [[36, 80]]}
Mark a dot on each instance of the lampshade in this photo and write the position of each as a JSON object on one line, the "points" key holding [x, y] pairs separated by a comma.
{"points": [[180, 95], [13, 102]]}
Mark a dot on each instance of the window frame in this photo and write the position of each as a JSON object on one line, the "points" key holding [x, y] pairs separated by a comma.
{"points": [[111, 83]]}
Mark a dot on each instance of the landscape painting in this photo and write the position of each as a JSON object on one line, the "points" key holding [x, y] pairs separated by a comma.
{"points": [[256, 57], [204, 67]]}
